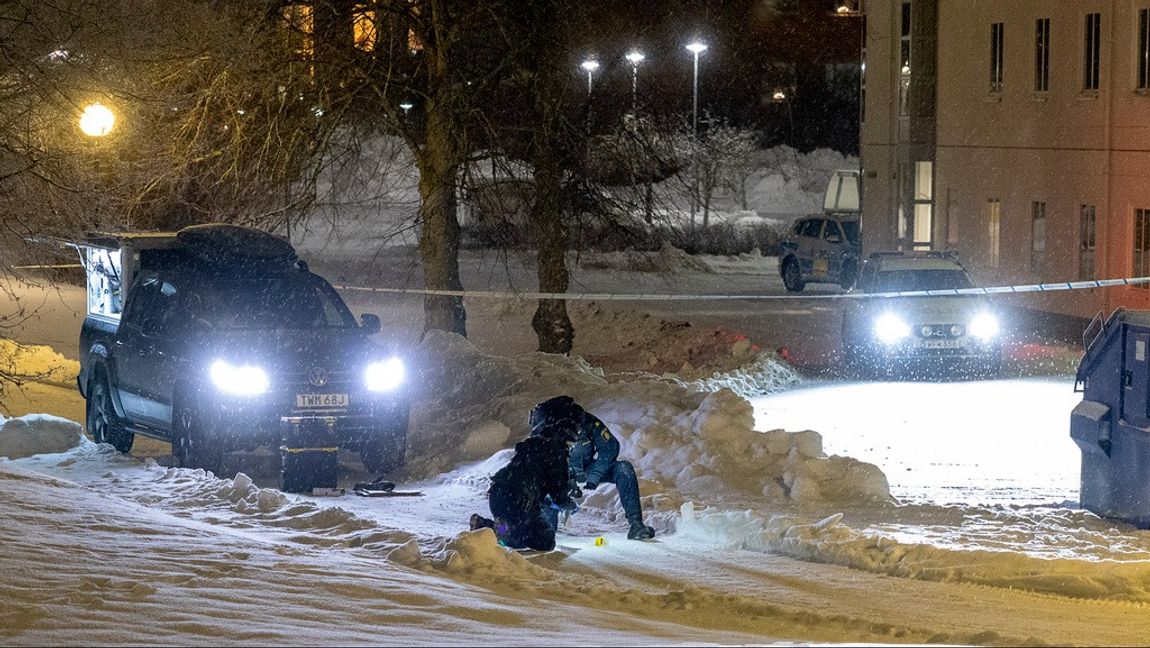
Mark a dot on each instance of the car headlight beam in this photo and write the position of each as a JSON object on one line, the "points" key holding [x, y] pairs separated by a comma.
{"points": [[384, 376], [984, 326], [242, 380], [891, 329]]}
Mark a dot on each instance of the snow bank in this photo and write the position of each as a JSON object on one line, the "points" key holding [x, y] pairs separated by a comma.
{"points": [[696, 442], [38, 434], [829, 540], [38, 363], [794, 183]]}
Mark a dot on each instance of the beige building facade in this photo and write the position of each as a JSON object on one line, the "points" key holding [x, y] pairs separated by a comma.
{"points": [[1017, 133]]}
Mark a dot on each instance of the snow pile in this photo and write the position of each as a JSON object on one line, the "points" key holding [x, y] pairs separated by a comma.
{"points": [[668, 258], [794, 183], [39, 363], [692, 441], [38, 434], [706, 358], [829, 540]]}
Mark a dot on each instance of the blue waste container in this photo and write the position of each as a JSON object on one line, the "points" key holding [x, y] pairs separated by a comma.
{"points": [[1111, 426]]}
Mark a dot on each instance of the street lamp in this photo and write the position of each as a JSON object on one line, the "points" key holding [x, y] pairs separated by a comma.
{"points": [[405, 107], [590, 65], [696, 48], [635, 57], [96, 120]]}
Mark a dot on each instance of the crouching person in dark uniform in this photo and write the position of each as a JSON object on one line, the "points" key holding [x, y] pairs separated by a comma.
{"points": [[527, 494], [594, 459]]}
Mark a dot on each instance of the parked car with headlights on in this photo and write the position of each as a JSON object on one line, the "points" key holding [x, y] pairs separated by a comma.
{"points": [[216, 338], [913, 333]]}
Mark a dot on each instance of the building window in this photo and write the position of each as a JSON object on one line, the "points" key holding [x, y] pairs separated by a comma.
{"points": [[1086, 242], [994, 230], [301, 30], [1042, 55], [1092, 52], [1143, 49], [996, 43], [904, 62], [1037, 236], [1141, 245], [364, 28], [923, 206]]}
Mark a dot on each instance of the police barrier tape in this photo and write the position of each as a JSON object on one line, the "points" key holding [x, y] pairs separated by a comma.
{"points": [[950, 292]]}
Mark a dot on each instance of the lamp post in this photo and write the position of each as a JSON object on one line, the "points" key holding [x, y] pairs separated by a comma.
{"points": [[405, 107], [590, 65], [95, 121], [695, 48], [635, 57]]}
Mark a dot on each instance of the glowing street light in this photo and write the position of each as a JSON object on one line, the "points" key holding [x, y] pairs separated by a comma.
{"points": [[635, 57], [590, 65], [97, 120], [406, 107], [696, 48]]}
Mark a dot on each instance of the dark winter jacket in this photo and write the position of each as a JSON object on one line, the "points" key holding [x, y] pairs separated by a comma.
{"points": [[537, 471], [595, 452]]}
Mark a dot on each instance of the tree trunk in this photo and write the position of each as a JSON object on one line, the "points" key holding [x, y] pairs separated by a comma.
{"points": [[439, 234], [551, 322]]}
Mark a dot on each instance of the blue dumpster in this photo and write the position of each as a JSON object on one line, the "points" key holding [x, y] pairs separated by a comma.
{"points": [[1111, 426]]}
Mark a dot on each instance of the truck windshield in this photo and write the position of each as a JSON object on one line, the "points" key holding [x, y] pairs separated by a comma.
{"points": [[907, 280], [275, 303]]}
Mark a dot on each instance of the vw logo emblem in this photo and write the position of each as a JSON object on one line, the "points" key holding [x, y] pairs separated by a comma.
{"points": [[317, 376]]}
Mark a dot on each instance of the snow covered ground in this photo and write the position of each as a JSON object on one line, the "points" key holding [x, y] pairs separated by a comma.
{"points": [[915, 513]]}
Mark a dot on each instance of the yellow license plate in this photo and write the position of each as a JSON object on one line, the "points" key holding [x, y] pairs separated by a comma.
{"points": [[321, 401]]}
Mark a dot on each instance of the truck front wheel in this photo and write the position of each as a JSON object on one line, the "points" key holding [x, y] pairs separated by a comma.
{"points": [[192, 445], [101, 420]]}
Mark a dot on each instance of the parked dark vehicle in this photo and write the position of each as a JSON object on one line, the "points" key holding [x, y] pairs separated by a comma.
{"points": [[820, 249], [224, 341]]}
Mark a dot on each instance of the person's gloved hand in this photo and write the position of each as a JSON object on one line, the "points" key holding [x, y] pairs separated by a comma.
{"points": [[575, 492], [590, 486]]}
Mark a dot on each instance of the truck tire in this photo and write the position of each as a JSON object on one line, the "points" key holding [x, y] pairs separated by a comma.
{"points": [[100, 418], [792, 275], [192, 445]]}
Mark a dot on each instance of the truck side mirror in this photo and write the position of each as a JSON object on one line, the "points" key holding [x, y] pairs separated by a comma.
{"points": [[369, 324]]}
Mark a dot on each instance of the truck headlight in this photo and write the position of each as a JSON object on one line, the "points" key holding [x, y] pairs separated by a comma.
{"points": [[891, 328], [984, 326], [244, 380], [385, 375]]}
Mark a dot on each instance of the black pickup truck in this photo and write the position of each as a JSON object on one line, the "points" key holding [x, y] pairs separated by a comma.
{"points": [[216, 338]]}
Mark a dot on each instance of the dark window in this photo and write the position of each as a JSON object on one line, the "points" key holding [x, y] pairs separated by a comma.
{"points": [[1092, 51], [852, 230], [1037, 236], [1042, 55], [1142, 245], [996, 44], [140, 299], [904, 62], [904, 280], [832, 232], [812, 228], [1086, 242], [289, 302], [1143, 49]]}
